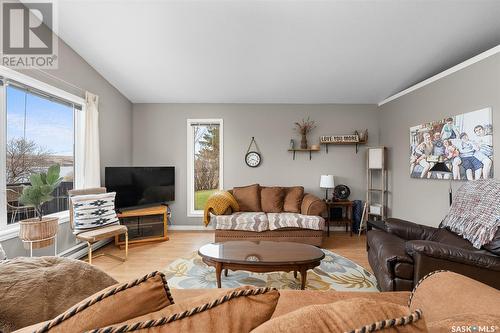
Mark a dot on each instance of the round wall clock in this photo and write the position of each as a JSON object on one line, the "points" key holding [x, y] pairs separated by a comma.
{"points": [[253, 159]]}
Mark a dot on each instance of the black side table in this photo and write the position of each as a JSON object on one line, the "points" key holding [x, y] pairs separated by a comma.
{"points": [[346, 218]]}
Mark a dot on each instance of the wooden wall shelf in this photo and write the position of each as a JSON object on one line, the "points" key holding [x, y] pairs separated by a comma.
{"points": [[310, 150], [344, 144]]}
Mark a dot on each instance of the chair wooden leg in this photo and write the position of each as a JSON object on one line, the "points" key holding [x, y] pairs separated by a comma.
{"points": [[126, 245], [91, 257], [89, 252]]}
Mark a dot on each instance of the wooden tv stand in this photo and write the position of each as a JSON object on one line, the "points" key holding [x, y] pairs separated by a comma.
{"points": [[138, 221]]}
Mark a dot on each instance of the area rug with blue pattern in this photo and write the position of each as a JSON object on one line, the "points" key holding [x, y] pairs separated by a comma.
{"points": [[334, 273]]}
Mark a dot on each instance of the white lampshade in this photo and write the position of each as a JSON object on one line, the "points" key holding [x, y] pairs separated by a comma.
{"points": [[326, 181]]}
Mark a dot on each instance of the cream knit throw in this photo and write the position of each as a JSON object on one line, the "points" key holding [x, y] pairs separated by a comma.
{"points": [[475, 212]]}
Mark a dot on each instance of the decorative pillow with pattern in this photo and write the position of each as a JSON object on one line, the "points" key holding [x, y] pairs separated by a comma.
{"points": [[93, 211]]}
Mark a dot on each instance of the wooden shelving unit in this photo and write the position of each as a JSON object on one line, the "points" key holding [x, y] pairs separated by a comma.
{"points": [[379, 172], [310, 150], [375, 195], [357, 144]]}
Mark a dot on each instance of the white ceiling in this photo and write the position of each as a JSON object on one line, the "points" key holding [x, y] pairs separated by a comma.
{"points": [[275, 51]]}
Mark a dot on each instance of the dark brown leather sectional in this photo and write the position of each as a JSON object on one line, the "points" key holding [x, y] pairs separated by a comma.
{"points": [[401, 253]]}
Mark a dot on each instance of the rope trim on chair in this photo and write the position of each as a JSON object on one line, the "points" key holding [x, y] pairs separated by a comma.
{"points": [[113, 291], [184, 314], [420, 282], [167, 289], [401, 321]]}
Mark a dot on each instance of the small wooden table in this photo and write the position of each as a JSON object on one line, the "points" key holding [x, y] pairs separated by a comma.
{"points": [[346, 218], [261, 257]]}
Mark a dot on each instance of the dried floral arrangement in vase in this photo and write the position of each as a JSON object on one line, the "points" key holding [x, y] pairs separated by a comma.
{"points": [[304, 127]]}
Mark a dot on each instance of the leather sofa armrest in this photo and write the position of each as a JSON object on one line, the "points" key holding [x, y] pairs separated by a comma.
{"points": [[453, 253], [432, 256], [408, 230], [312, 205]]}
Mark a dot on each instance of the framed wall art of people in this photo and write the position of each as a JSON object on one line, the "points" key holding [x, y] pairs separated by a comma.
{"points": [[463, 142]]}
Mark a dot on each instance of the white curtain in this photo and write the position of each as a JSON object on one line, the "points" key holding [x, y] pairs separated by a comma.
{"points": [[3, 256], [91, 162]]}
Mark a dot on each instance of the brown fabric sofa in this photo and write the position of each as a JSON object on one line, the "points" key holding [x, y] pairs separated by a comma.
{"points": [[401, 253], [256, 198], [472, 303]]}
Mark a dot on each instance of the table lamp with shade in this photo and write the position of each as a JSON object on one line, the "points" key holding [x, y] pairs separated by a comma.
{"points": [[327, 183], [440, 168]]}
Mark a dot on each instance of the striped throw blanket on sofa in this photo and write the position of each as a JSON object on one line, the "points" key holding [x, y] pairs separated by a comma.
{"points": [[294, 220], [475, 212]]}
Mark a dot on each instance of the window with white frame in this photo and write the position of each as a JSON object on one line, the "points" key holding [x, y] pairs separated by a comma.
{"points": [[205, 161], [38, 128]]}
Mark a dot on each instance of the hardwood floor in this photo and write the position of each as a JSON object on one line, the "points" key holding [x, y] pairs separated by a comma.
{"points": [[146, 258]]}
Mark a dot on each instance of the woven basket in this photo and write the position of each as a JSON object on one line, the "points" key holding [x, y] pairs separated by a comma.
{"points": [[34, 230]]}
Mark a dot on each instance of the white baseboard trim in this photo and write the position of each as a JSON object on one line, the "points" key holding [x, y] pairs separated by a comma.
{"points": [[80, 250], [336, 228], [212, 228], [191, 228]]}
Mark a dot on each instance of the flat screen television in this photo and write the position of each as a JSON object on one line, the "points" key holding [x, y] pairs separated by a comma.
{"points": [[140, 186]]}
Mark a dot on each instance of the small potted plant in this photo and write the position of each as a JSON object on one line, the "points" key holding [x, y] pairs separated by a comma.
{"points": [[40, 230], [304, 127]]}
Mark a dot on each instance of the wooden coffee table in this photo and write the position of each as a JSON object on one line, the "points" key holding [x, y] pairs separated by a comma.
{"points": [[261, 257]]}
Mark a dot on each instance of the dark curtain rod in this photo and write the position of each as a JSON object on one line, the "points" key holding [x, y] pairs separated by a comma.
{"points": [[204, 124]]}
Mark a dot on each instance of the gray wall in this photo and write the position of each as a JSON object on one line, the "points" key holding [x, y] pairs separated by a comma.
{"points": [[115, 122], [159, 138], [115, 110], [473, 88]]}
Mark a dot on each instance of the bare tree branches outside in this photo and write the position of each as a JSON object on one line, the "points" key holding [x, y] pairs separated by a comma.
{"points": [[25, 157]]}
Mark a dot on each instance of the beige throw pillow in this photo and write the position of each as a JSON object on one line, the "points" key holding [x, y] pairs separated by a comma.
{"points": [[111, 305], [238, 310], [353, 315]]}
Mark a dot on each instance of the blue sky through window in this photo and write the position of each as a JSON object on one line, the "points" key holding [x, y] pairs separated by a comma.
{"points": [[48, 123]]}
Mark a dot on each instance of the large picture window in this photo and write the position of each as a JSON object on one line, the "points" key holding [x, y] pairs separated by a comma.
{"points": [[40, 133], [205, 148], [38, 128]]}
